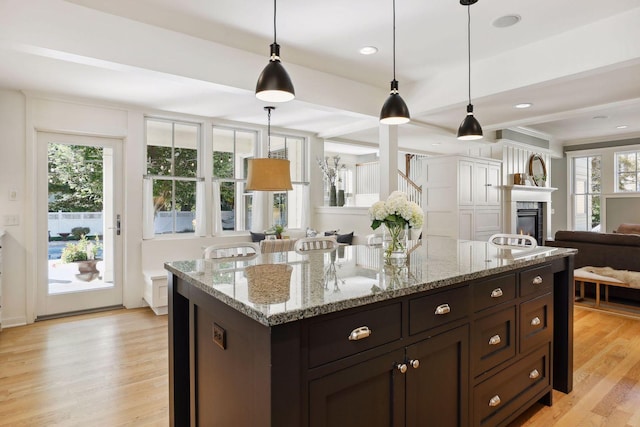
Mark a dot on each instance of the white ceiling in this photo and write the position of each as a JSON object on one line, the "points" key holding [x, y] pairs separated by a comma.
{"points": [[203, 57]]}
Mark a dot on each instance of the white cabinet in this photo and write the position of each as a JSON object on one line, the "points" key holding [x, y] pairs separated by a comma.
{"points": [[462, 197]]}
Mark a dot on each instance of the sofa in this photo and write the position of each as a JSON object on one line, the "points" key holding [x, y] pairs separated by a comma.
{"points": [[617, 250]]}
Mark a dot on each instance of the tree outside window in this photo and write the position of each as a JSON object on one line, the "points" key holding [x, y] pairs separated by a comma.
{"points": [[628, 171], [172, 163], [587, 190]]}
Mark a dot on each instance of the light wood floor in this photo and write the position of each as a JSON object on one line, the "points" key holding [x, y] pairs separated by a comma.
{"points": [[110, 369], [104, 369], [606, 378]]}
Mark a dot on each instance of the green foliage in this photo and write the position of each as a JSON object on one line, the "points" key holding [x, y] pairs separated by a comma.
{"points": [[75, 178], [78, 232], [81, 250], [172, 162]]}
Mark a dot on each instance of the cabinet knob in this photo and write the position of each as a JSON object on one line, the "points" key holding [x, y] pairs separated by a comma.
{"points": [[496, 293], [415, 363], [495, 340], [401, 367], [535, 321], [534, 374], [537, 280], [494, 401], [443, 309], [359, 333]]}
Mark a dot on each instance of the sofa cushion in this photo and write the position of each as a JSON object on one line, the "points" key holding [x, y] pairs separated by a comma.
{"points": [[599, 238]]}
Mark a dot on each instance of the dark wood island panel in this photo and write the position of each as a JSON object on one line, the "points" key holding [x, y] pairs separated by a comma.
{"points": [[446, 356]]}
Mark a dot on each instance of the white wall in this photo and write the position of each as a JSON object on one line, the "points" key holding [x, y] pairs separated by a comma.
{"points": [[21, 116], [12, 177]]}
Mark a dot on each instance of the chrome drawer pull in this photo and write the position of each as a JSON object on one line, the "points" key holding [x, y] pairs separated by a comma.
{"points": [[537, 280], [415, 363], [535, 321], [443, 309], [494, 340], [496, 293], [401, 367], [534, 374], [359, 333], [494, 401]]}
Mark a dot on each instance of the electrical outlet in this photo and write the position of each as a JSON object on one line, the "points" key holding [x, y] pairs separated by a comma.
{"points": [[219, 336], [11, 220]]}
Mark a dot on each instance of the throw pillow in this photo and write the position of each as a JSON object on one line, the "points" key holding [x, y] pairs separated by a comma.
{"points": [[345, 238], [256, 237]]}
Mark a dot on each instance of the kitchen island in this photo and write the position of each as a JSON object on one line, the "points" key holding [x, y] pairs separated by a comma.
{"points": [[465, 333]]}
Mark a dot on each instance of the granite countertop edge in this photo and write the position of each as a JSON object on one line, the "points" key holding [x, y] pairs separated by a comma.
{"points": [[308, 312]]}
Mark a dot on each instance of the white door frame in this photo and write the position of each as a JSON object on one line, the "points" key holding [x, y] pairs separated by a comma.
{"points": [[40, 260]]}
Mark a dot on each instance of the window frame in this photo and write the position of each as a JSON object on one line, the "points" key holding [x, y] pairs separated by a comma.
{"points": [[174, 179], [617, 173]]}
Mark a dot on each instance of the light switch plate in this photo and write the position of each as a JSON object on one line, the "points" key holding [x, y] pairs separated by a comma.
{"points": [[13, 195], [11, 220]]}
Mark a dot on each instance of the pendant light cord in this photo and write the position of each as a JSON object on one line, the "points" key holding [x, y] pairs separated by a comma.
{"points": [[274, 21], [394, 39], [469, 48], [269, 130]]}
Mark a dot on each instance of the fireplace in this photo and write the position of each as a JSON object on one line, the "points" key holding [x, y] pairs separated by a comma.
{"points": [[527, 208], [529, 220]]}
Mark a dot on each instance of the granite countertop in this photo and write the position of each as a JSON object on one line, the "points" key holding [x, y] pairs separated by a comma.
{"points": [[283, 287]]}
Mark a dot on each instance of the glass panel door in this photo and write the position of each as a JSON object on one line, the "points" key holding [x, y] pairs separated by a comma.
{"points": [[82, 232]]}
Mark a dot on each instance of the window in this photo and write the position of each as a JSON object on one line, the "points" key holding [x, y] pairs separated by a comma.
{"points": [[587, 189], [289, 207], [628, 171], [172, 168], [231, 149]]}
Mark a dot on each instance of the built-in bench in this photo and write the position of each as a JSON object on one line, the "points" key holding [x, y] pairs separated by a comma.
{"points": [[156, 292]]}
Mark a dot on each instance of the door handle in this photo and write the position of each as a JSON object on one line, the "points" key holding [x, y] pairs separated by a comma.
{"points": [[118, 225]]}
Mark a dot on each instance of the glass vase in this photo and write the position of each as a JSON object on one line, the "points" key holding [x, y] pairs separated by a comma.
{"points": [[395, 243], [333, 196]]}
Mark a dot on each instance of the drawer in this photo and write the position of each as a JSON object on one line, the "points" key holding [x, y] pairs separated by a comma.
{"points": [[501, 395], [342, 336], [493, 340], [438, 309], [536, 322], [492, 292], [536, 280]]}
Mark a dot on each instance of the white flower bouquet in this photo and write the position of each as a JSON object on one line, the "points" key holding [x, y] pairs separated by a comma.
{"points": [[396, 213]]}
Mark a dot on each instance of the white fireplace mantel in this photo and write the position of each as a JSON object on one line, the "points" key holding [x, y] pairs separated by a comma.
{"points": [[527, 193]]}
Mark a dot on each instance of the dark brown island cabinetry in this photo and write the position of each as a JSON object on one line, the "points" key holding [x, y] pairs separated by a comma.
{"points": [[476, 353]]}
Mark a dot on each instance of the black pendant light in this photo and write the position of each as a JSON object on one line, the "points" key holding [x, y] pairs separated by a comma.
{"points": [[394, 111], [274, 83], [470, 128], [269, 174]]}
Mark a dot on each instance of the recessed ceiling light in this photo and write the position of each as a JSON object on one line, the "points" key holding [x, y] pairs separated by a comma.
{"points": [[507, 21], [622, 127], [523, 105], [435, 143], [368, 50], [600, 117]]}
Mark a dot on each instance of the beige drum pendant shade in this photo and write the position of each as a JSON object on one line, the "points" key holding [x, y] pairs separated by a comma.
{"points": [[268, 175]]}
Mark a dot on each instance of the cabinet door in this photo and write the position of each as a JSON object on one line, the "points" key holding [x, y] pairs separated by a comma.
{"points": [[480, 184], [368, 394], [438, 389], [494, 181], [465, 183]]}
